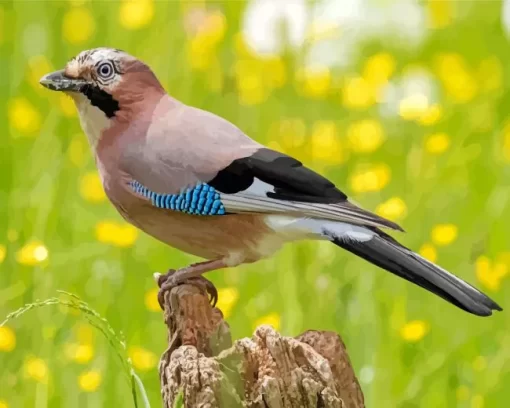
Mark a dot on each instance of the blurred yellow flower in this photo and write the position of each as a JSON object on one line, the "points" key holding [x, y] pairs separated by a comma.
{"points": [[480, 363], [151, 300], [23, 116], [3, 252], [393, 209], [272, 319], [77, 151], [112, 232], [7, 339], [490, 74], [325, 142], [90, 381], [135, 14], [430, 116], [413, 107], [66, 105], [38, 66], [227, 298], [444, 234], [84, 333], [32, 253], [365, 136], [78, 25], [143, 360], [36, 369], [91, 188], [489, 273], [209, 32], [458, 81], [463, 393], [370, 178], [379, 68], [276, 71], [428, 251], [437, 143], [252, 90], [477, 401], [440, 13], [3, 404], [358, 93], [315, 82], [414, 331], [80, 353], [289, 132]]}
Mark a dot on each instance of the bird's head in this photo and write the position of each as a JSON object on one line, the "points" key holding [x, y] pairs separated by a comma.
{"points": [[106, 85]]}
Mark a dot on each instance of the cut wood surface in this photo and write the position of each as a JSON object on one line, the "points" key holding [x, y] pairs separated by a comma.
{"points": [[203, 368]]}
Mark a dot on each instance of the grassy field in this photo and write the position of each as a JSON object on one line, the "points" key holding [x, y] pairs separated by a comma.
{"points": [[419, 133]]}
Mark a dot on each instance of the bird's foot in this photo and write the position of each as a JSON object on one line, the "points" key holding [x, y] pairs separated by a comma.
{"points": [[173, 278]]}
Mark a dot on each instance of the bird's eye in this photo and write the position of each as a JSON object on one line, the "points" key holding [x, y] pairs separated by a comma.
{"points": [[105, 70]]}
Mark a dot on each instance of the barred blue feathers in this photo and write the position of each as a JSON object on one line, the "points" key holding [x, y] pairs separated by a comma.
{"points": [[199, 200]]}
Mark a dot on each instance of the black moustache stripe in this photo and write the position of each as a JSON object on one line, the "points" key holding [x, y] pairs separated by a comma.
{"points": [[101, 99]]}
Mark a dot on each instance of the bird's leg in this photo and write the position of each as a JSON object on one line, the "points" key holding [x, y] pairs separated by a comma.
{"points": [[176, 277]]}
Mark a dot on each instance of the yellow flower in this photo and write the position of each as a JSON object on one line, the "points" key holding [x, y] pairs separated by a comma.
{"points": [[393, 209], [444, 234], [477, 401], [36, 369], [289, 132], [379, 68], [463, 393], [325, 142], [66, 105], [78, 25], [91, 188], [23, 116], [358, 93], [272, 319], [227, 298], [441, 13], [430, 116], [80, 353], [111, 232], [490, 274], [365, 136], [7, 339], [77, 151], [38, 66], [252, 90], [143, 360], [32, 254], [413, 107], [490, 74], [370, 178], [135, 14], [428, 251], [315, 82], [480, 363], [151, 300], [3, 252], [276, 71], [3, 404], [90, 381], [84, 333], [414, 331], [458, 81], [437, 143]]}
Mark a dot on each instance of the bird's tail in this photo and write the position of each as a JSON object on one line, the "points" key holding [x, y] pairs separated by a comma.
{"points": [[383, 251]]}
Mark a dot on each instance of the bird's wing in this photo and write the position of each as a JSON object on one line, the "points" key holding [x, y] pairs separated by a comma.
{"points": [[202, 164]]}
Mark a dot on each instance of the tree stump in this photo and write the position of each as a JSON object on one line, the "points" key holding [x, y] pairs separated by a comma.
{"points": [[202, 368]]}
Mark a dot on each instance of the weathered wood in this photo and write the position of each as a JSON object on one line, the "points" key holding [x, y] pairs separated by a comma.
{"points": [[265, 371]]}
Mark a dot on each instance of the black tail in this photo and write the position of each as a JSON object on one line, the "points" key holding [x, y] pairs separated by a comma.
{"points": [[383, 251]]}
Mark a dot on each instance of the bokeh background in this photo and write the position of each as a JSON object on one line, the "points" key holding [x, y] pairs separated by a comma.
{"points": [[404, 104]]}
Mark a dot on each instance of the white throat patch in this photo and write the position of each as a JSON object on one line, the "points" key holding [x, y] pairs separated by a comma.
{"points": [[93, 120]]}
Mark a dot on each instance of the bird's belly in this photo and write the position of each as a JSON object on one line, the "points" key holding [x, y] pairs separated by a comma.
{"points": [[235, 238]]}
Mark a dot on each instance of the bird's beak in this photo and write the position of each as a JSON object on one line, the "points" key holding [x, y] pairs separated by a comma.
{"points": [[58, 81]]}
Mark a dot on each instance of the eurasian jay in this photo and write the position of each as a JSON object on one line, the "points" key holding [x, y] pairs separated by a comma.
{"points": [[197, 183]]}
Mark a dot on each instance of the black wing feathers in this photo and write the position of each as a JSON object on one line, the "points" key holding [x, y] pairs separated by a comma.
{"points": [[291, 180]]}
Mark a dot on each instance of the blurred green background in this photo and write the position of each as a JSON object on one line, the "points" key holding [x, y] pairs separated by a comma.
{"points": [[403, 104]]}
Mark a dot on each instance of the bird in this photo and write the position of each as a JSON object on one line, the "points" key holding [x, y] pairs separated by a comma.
{"points": [[198, 183]]}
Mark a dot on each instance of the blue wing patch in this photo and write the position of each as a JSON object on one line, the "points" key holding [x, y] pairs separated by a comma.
{"points": [[199, 200]]}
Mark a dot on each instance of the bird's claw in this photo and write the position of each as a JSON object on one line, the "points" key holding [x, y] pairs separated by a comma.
{"points": [[170, 280]]}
